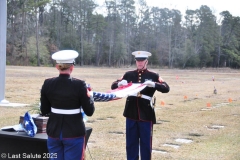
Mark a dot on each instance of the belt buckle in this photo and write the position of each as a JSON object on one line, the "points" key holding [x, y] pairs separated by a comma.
{"points": [[139, 94]]}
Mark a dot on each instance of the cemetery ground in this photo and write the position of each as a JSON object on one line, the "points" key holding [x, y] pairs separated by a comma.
{"points": [[193, 122]]}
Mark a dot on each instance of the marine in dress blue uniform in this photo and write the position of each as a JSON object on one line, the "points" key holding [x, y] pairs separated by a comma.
{"points": [[139, 112], [64, 97]]}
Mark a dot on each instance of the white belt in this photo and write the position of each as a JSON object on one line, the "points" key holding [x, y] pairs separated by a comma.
{"points": [[141, 96], [65, 111]]}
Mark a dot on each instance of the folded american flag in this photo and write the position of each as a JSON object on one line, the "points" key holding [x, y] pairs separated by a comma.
{"points": [[28, 125]]}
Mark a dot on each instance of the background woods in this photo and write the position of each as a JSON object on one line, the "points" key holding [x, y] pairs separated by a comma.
{"points": [[38, 28]]}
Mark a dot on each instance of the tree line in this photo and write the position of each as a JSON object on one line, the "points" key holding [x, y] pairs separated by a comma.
{"points": [[38, 28]]}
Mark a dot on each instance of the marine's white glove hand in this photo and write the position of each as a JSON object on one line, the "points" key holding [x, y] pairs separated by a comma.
{"points": [[90, 95], [149, 84], [122, 83]]}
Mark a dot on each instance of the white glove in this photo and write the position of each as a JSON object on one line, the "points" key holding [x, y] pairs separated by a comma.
{"points": [[149, 83], [122, 83], [90, 95]]}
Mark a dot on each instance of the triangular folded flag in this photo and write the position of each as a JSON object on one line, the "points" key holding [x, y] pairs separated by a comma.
{"points": [[28, 125]]}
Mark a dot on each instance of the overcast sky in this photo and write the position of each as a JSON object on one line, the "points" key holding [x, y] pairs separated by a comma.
{"points": [[216, 6]]}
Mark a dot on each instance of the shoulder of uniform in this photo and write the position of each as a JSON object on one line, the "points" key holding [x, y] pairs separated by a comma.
{"points": [[50, 79], [130, 71], [80, 81], [153, 72], [77, 79]]}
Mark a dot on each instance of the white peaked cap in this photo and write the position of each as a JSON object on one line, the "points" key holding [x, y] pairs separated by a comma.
{"points": [[141, 54], [65, 56]]}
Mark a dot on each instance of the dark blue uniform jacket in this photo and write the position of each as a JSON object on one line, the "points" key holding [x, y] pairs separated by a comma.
{"points": [[137, 108], [65, 93]]}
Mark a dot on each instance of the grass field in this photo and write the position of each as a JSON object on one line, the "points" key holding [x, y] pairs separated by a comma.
{"points": [[190, 111]]}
